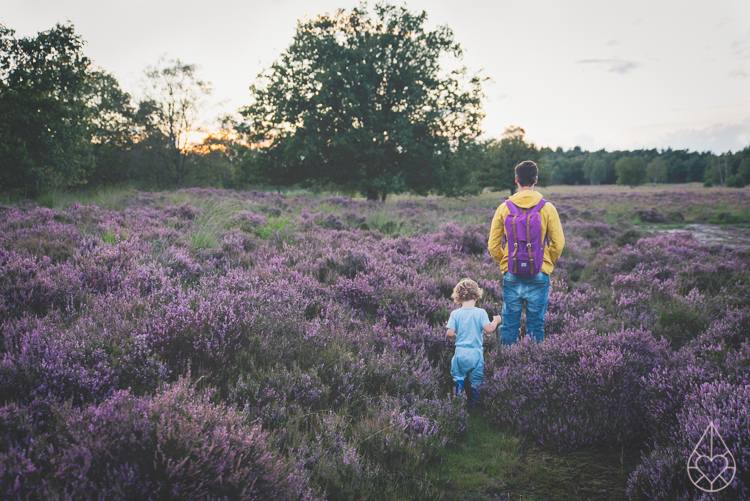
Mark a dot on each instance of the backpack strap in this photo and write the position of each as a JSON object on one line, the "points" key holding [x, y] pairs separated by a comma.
{"points": [[515, 244], [515, 212], [528, 239], [538, 206]]}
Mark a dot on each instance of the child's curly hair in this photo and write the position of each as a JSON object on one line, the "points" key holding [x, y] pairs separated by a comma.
{"points": [[466, 290]]}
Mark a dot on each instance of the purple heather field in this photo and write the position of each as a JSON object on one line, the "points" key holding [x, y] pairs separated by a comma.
{"points": [[211, 344]]}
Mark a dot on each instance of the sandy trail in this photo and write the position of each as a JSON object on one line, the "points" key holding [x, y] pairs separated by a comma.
{"points": [[737, 238]]}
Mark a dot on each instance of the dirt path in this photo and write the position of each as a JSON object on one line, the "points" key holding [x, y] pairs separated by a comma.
{"points": [[736, 238]]}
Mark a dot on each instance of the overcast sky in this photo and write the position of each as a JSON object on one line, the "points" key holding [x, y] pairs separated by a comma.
{"points": [[592, 73]]}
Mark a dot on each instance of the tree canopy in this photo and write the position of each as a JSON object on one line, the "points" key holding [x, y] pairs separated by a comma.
{"points": [[45, 122], [631, 171], [177, 96], [498, 172], [363, 102]]}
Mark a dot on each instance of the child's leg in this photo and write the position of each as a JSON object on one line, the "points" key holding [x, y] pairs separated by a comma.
{"points": [[476, 378], [458, 375]]}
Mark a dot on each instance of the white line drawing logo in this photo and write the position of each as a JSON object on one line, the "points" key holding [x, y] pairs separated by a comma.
{"points": [[711, 466]]}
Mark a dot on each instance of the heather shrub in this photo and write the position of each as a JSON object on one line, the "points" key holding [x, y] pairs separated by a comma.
{"points": [[720, 353], [199, 329], [682, 318], [468, 240], [278, 395], [24, 443], [248, 221], [578, 390], [398, 294], [175, 444], [41, 232], [40, 361], [181, 264], [582, 307], [35, 285], [317, 327], [663, 472], [713, 277], [596, 233], [385, 453]]}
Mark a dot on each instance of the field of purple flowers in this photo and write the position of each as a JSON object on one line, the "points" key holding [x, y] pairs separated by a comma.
{"points": [[208, 344]]}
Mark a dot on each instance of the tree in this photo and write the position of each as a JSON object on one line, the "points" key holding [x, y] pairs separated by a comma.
{"points": [[178, 97], [362, 101], [595, 167], [744, 168], [566, 167], [498, 173], [45, 121], [631, 171], [657, 170]]}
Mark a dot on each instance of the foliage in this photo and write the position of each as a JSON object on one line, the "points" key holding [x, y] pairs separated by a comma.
{"points": [[595, 168], [631, 171], [363, 101], [657, 170], [498, 171], [269, 331], [174, 444], [176, 95], [46, 122]]}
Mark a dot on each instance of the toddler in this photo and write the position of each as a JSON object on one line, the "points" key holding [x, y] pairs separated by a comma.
{"points": [[465, 327]]}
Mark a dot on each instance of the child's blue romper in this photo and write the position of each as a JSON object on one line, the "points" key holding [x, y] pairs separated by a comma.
{"points": [[469, 356]]}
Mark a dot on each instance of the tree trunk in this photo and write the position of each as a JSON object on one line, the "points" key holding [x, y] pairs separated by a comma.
{"points": [[382, 198]]}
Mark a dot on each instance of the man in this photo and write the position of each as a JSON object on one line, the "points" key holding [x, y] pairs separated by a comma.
{"points": [[534, 289]]}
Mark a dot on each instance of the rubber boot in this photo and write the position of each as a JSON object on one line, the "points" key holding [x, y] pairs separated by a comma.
{"points": [[477, 399], [460, 389]]}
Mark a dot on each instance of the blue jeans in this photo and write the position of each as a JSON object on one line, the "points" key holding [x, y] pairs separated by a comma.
{"points": [[535, 290]]}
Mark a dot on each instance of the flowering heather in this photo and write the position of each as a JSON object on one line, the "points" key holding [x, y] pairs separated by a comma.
{"points": [[214, 344], [175, 444], [575, 390]]}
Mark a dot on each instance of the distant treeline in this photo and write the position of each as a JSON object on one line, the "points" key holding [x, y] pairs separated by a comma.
{"points": [[577, 166], [330, 115]]}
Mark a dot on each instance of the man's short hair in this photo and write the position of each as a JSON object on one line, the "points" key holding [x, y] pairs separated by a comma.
{"points": [[527, 172]]}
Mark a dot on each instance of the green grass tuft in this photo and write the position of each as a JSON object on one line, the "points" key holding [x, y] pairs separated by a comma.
{"points": [[491, 464]]}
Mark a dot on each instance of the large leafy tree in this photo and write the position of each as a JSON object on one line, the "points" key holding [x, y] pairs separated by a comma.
{"points": [[595, 167], [631, 171], [498, 171], [178, 97], [60, 118], [364, 102], [657, 170], [45, 124]]}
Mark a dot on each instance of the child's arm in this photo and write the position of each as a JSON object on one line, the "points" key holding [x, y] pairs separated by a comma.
{"points": [[490, 327], [451, 334]]}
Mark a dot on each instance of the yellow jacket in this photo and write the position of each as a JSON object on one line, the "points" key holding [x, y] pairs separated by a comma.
{"points": [[550, 226]]}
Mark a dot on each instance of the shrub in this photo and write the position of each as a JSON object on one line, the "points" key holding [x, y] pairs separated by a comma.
{"points": [[577, 390], [175, 444], [663, 475]]}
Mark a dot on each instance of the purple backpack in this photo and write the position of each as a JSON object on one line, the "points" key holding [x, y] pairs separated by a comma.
{"points": [[525, 243]]}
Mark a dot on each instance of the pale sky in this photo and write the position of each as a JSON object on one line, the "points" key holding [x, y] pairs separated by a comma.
{"points": [[593, 73]]}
